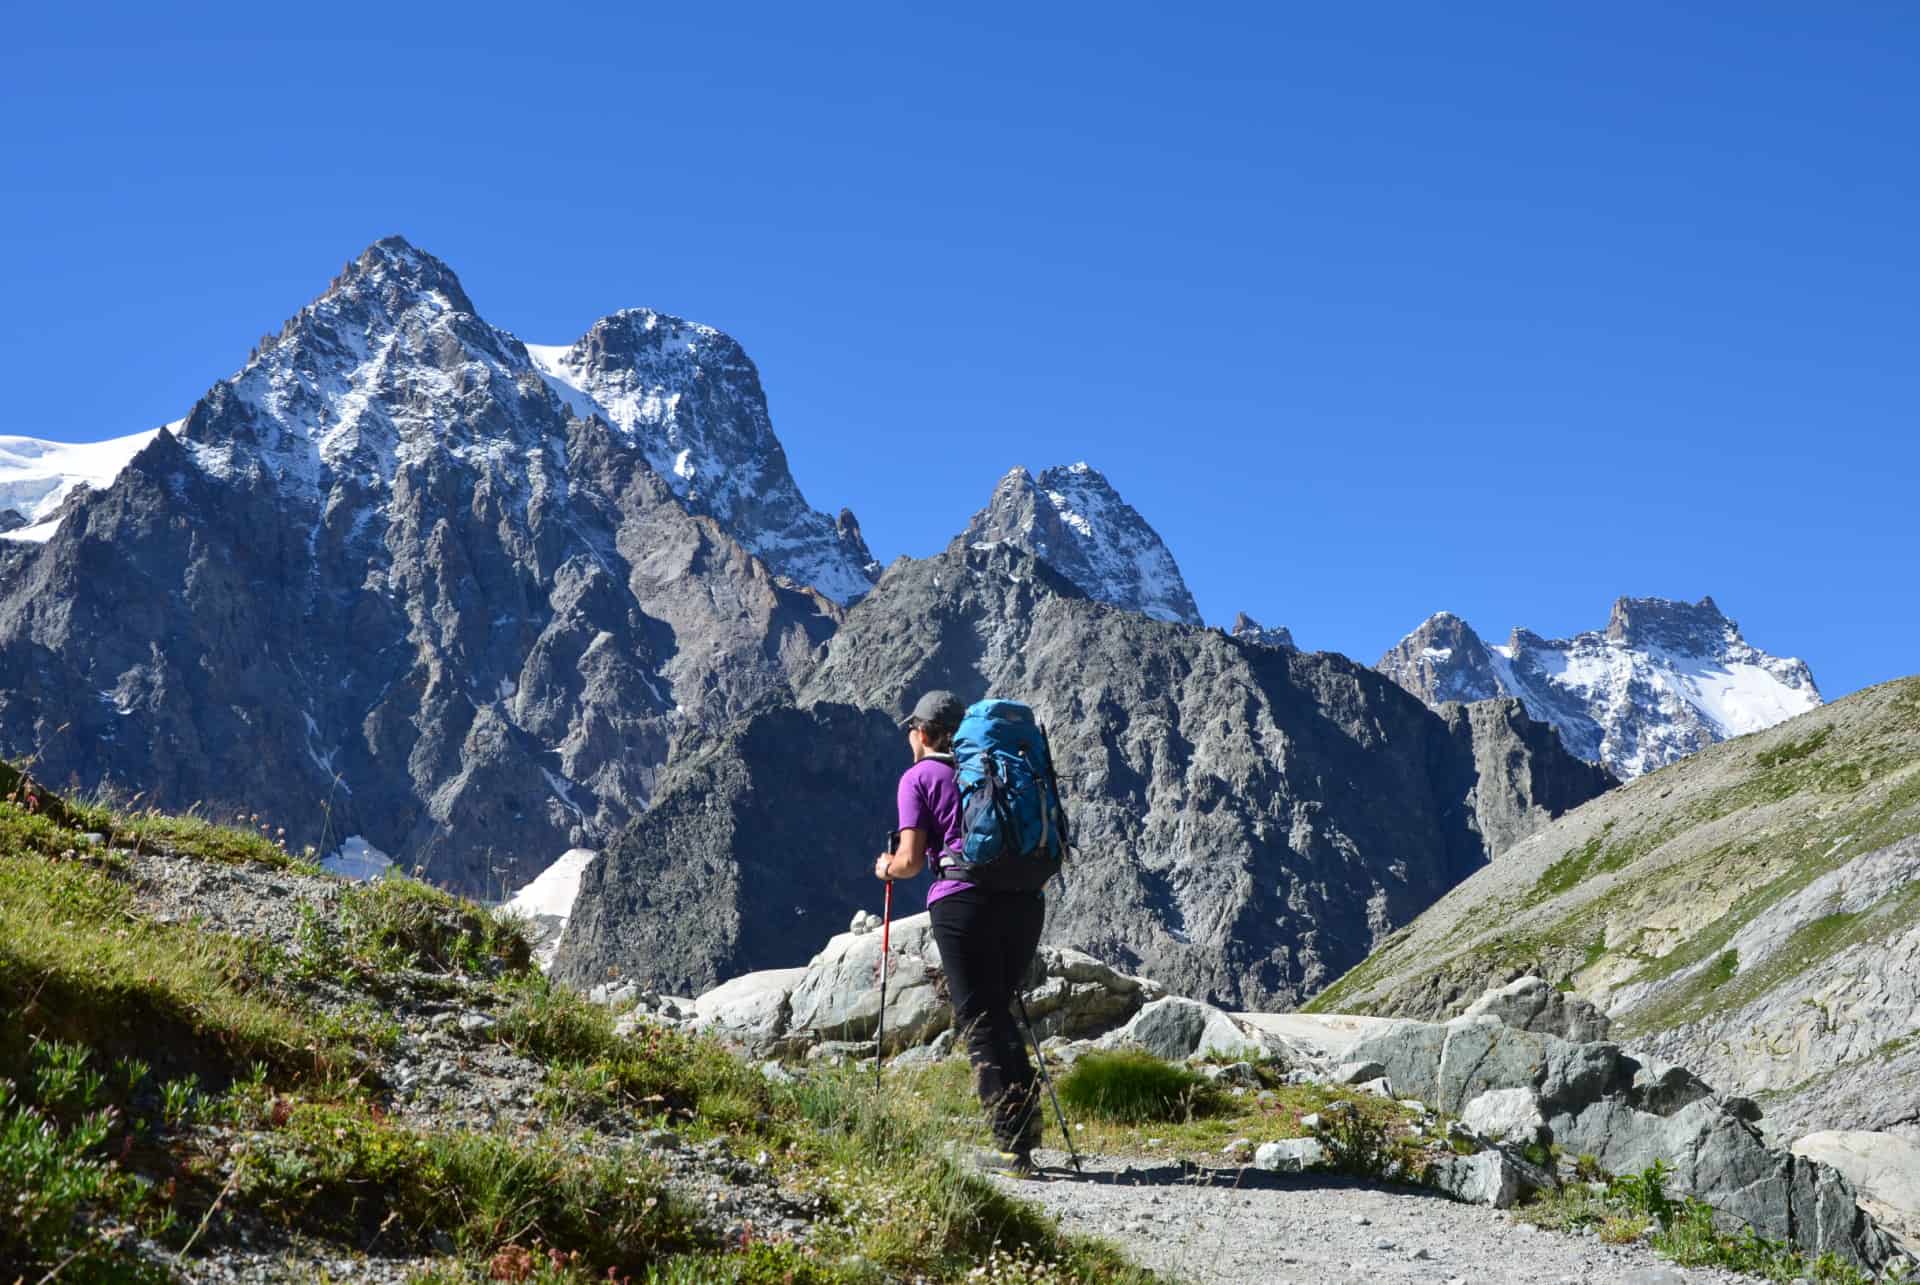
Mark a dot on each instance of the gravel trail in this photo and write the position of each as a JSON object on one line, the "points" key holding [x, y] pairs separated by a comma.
{"points": [[1217, 1225]]}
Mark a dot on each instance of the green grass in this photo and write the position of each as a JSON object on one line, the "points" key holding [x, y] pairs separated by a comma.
{"points": [[259, 1100], [1133, 1087]]}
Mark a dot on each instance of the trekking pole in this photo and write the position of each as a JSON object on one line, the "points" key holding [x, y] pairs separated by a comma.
{"points": [[886, 930], [1040, 1061]]}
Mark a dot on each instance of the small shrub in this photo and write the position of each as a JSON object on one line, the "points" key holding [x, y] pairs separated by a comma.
{"points": [[1135, 1088], [1356, 1141], [1788, 751], [1645, 1192]]}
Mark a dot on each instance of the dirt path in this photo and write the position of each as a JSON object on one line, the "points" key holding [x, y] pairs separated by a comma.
{"points": [[1223, 1225]]}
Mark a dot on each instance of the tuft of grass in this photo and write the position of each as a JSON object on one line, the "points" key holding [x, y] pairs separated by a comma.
{"points": [[1136, 1087], [401, 921]]}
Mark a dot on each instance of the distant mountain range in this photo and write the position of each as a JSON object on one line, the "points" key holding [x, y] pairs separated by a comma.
{"points": [[419, 592], [1661, 681]]}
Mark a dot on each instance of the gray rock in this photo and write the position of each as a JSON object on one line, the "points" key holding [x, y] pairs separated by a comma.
{"points": [[1506, 1115], [753, 1008], [1291, 1155], [1356, 1072], [1176, 1029], [1485, 1178], [1883, 1168], [1532, 1004]]}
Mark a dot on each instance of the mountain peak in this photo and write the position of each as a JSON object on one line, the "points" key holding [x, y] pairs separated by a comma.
{"points": [[397, 272], [1247, 629], [1073, 519], [1662, 680], [1697, 628]]}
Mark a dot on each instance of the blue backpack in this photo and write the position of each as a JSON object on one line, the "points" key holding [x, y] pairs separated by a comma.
{"points": [[1013, 826]]}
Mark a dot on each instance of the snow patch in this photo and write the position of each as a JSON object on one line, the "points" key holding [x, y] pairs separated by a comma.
{"points": [[548, 901], [37, 476], [357, 859]]}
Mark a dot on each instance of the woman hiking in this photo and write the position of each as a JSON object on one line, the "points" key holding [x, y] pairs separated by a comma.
{"points": [[986, 938]]}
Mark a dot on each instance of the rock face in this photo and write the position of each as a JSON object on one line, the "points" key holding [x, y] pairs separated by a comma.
{"points": [[1749, 912], [1662, 681], [1073, 520], [1597, 1100], [1246, 818], [385, 581], [1520, 770], [758, 841]]}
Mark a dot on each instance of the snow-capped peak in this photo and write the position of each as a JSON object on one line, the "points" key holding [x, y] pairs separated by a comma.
{"points": [[689, 397], [1662, 680], [1071, 518]]}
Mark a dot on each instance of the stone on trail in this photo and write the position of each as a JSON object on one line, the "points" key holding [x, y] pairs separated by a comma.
{"points": [[1292, 1155], [1486, 1178]]}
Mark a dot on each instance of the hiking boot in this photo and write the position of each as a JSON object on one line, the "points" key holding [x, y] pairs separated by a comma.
{"points": [[1015, 1164]]}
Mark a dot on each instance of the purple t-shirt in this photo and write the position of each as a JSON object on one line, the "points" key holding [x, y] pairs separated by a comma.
{"points": [[929, 800]]}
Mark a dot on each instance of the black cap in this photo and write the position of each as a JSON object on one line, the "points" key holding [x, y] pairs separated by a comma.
{"points": [[936, 709]]}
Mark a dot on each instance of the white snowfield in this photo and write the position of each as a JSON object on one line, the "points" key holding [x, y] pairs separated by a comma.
{"points": [[37, 476], [548, 902]]}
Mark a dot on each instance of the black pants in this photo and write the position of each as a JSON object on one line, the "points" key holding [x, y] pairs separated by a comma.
{"points": [[987, 941]]}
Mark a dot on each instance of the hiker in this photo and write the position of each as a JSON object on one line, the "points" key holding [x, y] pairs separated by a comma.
{"points": [[987, 938]]}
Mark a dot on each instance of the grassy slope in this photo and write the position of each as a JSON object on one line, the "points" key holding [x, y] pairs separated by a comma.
{"points": [[1660, 874], [156, 1080]]}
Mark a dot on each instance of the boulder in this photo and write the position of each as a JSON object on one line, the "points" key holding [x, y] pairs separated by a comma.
{"points": [[1292, 1155], [1532, 1004], [1176, 1029], [753, 1008], [836, 996], [1506, 1115], [1487, 1178], [1883, 1167]]}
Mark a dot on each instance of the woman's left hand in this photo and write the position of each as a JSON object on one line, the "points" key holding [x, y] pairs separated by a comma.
{"points": [[881, 866]]}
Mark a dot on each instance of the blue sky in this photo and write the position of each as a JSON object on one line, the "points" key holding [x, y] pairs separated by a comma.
{"points": [[1372, 310]]}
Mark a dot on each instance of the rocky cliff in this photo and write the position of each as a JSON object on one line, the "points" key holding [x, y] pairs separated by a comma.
{"points": [[1750, 912], [1248, 819], [1662, 680], [385, 581]]}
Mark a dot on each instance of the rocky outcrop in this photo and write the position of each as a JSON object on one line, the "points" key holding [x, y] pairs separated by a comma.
{"points": [[1595, 1099], [1532, 1004], [1246, 818], [834, 1000], [1072, 519], [1662, 681], [386, 582], [1747, 912]]}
